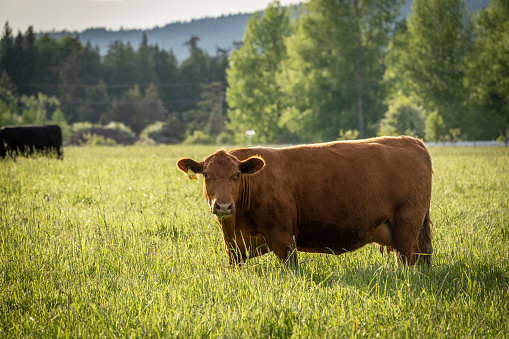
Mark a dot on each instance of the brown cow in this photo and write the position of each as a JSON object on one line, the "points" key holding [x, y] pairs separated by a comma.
{"points": [[325, 198]]}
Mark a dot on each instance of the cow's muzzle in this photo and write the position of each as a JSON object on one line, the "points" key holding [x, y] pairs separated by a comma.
{"points": [[223, 210]]}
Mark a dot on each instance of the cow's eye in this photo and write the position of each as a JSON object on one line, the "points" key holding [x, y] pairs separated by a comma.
{"points": [[236, 176], [205, 175]]}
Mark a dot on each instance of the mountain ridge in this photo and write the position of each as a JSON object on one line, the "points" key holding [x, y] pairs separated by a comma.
{"points": [[213, 33]]}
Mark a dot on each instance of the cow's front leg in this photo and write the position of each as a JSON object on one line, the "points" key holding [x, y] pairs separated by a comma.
{"points": [[243, 247], [285, 247], [235, 255]]}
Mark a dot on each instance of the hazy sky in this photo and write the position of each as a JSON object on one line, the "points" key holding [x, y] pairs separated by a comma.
{"points": [[78, 15]]}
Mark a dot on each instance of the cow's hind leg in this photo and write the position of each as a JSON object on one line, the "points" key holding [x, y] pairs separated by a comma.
{"points": [[405, 233], [425, 245]]}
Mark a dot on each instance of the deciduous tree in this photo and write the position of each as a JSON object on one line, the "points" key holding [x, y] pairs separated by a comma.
{"points": [[254, 95], [427, 61], [333, 79], [488, 73]]}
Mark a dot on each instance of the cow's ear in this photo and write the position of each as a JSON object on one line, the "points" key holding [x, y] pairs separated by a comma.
{"points": [[251, 165], [190, 167]]}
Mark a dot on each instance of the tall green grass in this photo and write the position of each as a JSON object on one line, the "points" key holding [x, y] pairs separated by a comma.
{"points": [[115, 242]]}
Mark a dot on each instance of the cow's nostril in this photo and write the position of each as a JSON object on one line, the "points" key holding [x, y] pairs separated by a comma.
{"points": [[223, 208]]}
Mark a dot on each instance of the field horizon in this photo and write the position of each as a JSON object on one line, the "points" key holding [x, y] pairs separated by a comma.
{"points": [[116, 242]]}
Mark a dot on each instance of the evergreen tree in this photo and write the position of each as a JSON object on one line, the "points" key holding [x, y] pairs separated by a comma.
{"points": [[71, 91], [6, 50], [168, 77], [91, 70], [137, 110], [50, 58], [194, 71], [208, 116], [26, 62], [96, 105], [119, 64], [145, 67]]}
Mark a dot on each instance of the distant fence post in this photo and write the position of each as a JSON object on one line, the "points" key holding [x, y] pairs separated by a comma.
{"points": [[250, 134]]}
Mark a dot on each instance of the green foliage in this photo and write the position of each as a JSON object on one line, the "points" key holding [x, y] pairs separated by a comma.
{"points": [[137, 110], [210, 114], [334, 67], [78, 126], [455, 134], [118, 126], [90, 87], [199, 138], [174, 127], [435, 127], [117, 242], [403, 118], [97, 140], [6, 116], [58, 118], [296, 78], [255, 102], [427, 59], [152, 129], [225, 138], [348, 135], [38, 109], [8, 107], [97, 104], [490, 87]]}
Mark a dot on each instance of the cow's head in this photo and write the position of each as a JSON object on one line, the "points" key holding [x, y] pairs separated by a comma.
{"points": [[222, 174]]}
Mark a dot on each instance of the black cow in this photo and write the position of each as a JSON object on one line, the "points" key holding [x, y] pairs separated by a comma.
{"points": [[27, 139]]}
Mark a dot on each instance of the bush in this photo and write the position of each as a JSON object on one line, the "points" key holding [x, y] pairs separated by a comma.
{"points": [[153, 130], [121, 127], [58, 118], [98, 140], [403, 118], [224, 138], [199, 138], [348, 135], [435, 127], [78, 126], [8, 108]]}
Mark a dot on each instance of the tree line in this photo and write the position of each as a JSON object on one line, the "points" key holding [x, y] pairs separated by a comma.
{"points": [[335, 70], [351, 69], [64, 81]]}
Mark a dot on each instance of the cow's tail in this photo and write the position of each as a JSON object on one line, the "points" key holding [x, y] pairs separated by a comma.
{"points": [[425, 236]]}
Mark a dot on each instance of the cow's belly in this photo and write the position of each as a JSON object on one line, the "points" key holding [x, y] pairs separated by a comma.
{"points": [[319, 237]]}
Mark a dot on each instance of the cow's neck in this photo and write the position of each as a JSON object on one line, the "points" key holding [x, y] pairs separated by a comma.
{"points": [[246, 193]]}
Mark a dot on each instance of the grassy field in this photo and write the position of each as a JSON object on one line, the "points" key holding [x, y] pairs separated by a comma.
{"points": [[115, 242]]}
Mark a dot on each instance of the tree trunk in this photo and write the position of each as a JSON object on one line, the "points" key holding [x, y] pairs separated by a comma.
{"points": [[358, 73]]}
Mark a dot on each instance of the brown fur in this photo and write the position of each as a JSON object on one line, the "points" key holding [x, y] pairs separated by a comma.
{"points": [[323, 198]]}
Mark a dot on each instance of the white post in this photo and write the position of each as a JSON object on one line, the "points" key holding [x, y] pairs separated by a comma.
{"points": [[250, 134]]}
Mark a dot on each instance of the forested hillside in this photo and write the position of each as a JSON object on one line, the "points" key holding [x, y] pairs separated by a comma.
{"points": [[334, 71], [214, 33]]}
